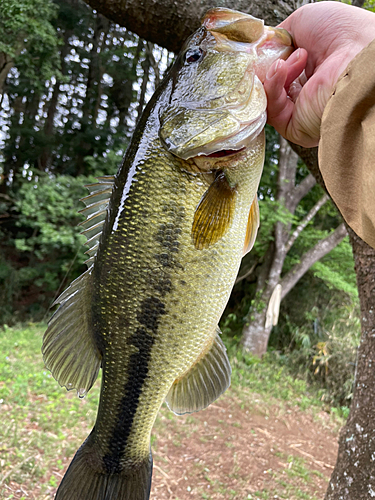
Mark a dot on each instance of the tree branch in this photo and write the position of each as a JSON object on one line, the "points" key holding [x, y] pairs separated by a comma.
{"points": [[315, 209], [248, 272], [310, 257], [301, 191], [168, 23], [287, 166]]}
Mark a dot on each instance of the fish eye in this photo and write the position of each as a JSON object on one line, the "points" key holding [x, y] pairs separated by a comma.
{"points": [[193, 55]]}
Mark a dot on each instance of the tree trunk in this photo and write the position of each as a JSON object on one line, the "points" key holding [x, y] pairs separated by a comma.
{"points": [[93, 93], [308, 259], [354, 476], [168, 23], [45, 160], [257, 330], [6, 64], [146, 73], [256, 334]]}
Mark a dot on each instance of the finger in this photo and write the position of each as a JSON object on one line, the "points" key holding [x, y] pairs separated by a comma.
{"points": [[280, 108], [296, 64]]}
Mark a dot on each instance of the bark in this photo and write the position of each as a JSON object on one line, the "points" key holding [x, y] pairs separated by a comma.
{"points": [[146, 73], [255, 335], [169, 22], [354, 475], [298, 230], [358, 3]]}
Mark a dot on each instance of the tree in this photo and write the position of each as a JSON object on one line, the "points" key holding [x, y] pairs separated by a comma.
{"points": [[27, 38], [169, 23], [176, 20], [271, 288]]}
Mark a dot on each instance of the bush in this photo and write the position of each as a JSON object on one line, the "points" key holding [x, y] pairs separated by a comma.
{"points": [[325, 354]]}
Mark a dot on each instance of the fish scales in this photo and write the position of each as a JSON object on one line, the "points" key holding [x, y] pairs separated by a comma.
{"points": [[158, 292], [165, 247]]}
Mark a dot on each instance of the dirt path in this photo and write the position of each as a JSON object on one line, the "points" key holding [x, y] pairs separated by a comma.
{"points": [[241, 448], [229, 452]]}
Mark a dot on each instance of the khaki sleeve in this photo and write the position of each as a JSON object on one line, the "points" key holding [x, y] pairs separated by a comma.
{"points": [[347, 144]]}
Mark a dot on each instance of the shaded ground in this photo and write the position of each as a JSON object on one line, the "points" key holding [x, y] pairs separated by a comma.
{"points": [[231, 450]]}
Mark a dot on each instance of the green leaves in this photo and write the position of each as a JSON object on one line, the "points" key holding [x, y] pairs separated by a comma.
{"points": [[28, 37], [45, 245], [48, 206]]}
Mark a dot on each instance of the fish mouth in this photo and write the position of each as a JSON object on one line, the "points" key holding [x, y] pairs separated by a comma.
{"points": [[225, 152], [234, 143]]}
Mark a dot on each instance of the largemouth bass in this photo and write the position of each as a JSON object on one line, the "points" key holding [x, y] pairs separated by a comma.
{"points": [[166, 236]]}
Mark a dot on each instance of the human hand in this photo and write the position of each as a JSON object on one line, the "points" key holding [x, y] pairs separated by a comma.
{"points": [[328, 36]]}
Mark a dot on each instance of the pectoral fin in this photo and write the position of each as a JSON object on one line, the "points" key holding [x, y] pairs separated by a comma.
{"points": [[214, 214], [252, 226], [206, 380]]}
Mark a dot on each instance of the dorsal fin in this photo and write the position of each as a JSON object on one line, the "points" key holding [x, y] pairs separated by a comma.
{"points": [[96, 211], [69, 346]]}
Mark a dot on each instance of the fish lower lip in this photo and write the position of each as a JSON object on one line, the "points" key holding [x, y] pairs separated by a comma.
{"points": [[225, 152]]}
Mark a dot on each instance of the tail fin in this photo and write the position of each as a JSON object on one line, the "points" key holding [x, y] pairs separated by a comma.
{"points": [[82, 482]]}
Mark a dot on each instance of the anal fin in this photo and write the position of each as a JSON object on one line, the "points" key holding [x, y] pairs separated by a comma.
{"points": [[205, 381]]}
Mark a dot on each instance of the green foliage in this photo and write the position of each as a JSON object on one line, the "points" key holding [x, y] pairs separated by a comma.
{"points": [[309, 350], [28, 37], [48, 214], [46, 240], [369, 5], [67, 113], [320, 345]]}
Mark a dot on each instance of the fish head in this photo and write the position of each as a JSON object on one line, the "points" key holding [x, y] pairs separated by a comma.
{"points": [[216, 103]]}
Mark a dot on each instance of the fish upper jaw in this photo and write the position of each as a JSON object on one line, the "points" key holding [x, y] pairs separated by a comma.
{"points": [[240, 32]]}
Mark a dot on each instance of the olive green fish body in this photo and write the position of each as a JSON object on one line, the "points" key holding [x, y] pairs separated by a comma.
{"points": [[160, 299], [166, 237]]}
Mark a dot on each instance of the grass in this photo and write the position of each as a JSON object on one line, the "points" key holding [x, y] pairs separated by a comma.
{"points": [[291, 482], [272, 379], [41, 423]]}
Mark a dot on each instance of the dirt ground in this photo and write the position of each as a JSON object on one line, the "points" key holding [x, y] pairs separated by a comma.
{"points": [[229, 452], [234, 451]]}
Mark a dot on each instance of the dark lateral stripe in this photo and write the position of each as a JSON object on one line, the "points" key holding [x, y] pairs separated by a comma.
{"points": [[151, 310]]}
